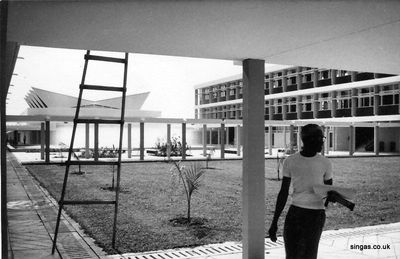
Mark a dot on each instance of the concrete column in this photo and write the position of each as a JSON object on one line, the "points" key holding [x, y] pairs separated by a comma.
{"points": [[129, 140], [376, 140], [47, 141], [315, 78], [183, 141], [96, 142], [327, 140], [353, 76], [204, 140], [376, 100], [168, 141], [284, 80], [141, 141], [284, 137], [352, 140], [291, 137], [334, 104], [334, 139], [298, 138], [42, 140], [253, 196], [323, 146], [298, 106], [353, 102], [222, 130], [238, 144], [284, 108], [270, 137], [333, 76], [315, 107], [299, 78], [87, 141]]}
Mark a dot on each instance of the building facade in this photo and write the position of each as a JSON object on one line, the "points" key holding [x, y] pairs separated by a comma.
{"points": [[294, 94]]}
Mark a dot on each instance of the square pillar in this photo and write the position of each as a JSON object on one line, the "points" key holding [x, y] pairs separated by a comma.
{"points": [[270, 136], [376, 140], [354, 102], [327, 140], [222, 130], [168, 141], [376, 100], [323, 146], [334, 104], [183, 141], [96, 142], [253, 195], [298, 138], [141, 141], [238, 144], [204, 140], [129, 140], [47, 141], [42, 140], [299, 106], [352, 140], [87, 133], [284, 137], [291, 138]]}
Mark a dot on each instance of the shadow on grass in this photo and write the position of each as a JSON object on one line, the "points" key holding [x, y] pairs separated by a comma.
{"points": [[112, 189], [197, 226]]}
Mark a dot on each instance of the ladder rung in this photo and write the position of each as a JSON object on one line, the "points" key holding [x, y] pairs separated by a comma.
{"points": [[103, 88], [88, 202], [100, 121], [90, 162], [107, 59]]}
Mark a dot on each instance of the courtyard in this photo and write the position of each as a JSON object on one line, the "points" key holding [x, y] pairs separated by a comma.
{"points": [[151, 198]]}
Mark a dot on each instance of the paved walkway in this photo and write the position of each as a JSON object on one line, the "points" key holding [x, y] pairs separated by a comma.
{"points": [[32, 215]]}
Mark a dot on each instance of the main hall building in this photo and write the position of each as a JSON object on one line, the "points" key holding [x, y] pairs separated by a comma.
{"points": [[335, 98]]}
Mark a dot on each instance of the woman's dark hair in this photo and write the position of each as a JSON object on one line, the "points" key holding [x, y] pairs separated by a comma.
{"points": [[310, 132]]}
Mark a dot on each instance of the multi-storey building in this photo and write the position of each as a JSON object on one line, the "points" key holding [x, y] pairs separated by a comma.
{"points": [[295, 93]]}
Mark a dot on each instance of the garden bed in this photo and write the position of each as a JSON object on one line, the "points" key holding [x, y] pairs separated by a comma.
{"points": [[152, 203]]}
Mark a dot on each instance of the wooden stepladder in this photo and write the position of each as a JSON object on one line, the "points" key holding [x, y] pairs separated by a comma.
{"points": [[96, 122]]}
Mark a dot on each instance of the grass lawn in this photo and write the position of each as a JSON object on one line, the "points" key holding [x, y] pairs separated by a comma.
{"points": [[151, 197]]}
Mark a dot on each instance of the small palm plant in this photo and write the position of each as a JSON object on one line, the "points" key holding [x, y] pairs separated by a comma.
{"points": [[191, 178]]}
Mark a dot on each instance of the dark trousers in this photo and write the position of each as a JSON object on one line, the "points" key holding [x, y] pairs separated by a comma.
{"points": [[302, 231]]}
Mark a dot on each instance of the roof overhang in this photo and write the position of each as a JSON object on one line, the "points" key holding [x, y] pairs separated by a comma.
{"points": [[352, 35]]}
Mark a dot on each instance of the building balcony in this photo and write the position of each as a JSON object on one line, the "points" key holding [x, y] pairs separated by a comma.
{"points": [[307, 115], [266, 91], [277, 90], [324, 82], [277, 117], [291, 88], [365, 111], [204, 101], [343, 113], [307, 85], [266, 117], [214, 100], [324, 114], [383, 75], [291, 116], [388, 109], [343, 79], [222, 99], [364, 76]]}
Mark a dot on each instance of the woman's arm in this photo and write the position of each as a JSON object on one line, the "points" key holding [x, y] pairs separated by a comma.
{"points": [[280, 205]]}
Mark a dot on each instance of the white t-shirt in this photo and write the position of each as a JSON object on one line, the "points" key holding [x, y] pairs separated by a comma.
{"points": [[305, 172]]}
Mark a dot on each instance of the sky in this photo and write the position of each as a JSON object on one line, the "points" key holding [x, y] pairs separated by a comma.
{"points": [[170, 80]]}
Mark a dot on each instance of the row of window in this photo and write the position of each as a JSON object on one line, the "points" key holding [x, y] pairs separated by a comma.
{"points": [[234, 111]]}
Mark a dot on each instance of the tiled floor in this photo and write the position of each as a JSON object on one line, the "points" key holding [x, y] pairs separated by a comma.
{"points": [[32, 214]]}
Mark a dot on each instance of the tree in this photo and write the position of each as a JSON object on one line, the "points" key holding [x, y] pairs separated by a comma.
{"points": [[191, 178]]}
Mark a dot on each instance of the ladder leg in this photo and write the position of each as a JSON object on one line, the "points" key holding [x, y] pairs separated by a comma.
{"points": [[60, 207], [121, 132]]}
